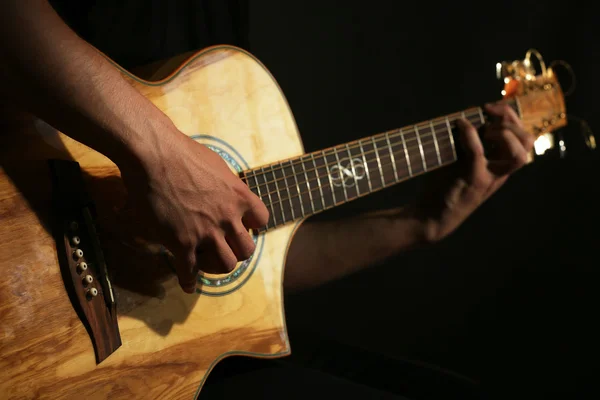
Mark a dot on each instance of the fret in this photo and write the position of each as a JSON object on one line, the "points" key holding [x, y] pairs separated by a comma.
{"points": [[331, 187], [264, 175], [287, 188], [362, 152], [261, 199], [279, 194], [298, 188], [435, 142], [418, 135], [312, 204], [337, 158], [312, 156], [351, 163], [481, 116], [406, 154], [451, 136], [387, 138], [378, 161]]}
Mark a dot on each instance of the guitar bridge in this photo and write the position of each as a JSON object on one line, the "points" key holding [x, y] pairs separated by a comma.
{"points": [[81, 260]]}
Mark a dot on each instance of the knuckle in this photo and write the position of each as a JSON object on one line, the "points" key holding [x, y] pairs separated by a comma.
{"points": [[505, 110], [185, 240], [228, 211]]}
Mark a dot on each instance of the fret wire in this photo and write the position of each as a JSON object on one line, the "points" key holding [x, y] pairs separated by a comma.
{"points": [[298, 189], [393, 135], [383, 164], [451, 136], [269, 194], [406, 154], [312, 156], [481, 116], [341, 175], [435, 142], [312, 205], [261, 199], [378, 161], [329, 176], [372, 151], [278, 193], [362, 151], [353, 169], [417, 134], [287, 187], [387, 137]]}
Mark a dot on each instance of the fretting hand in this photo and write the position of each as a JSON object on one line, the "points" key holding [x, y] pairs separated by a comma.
{"points": [[483, 175]]}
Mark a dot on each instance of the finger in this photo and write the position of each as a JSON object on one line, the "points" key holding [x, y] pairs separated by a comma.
{"points": [[257, 215], [185, 265], [504, 112], [240, 242], [218, 257], [526, 139], [512, 154], [469, 138], [509, 141]]}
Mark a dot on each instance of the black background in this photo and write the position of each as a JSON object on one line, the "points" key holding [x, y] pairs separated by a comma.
{"points": [[509, 299]]}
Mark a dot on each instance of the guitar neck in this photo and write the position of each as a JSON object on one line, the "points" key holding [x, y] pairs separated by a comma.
{"points": [[302, 186]]}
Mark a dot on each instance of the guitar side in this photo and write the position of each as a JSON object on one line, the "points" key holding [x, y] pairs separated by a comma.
{"points": [[220, 96]]}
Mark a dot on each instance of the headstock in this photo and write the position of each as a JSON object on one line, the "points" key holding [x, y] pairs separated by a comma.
{"points": [[539, 97]]}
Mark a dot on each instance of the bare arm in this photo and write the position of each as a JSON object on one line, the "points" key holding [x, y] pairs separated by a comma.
{"points": [[50, 72], [326, 250]]}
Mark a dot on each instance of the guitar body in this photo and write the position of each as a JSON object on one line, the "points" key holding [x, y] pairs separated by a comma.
{"points": [[222, 97]]}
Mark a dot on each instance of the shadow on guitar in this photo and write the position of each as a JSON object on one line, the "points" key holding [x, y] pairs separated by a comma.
{"points": [[141, 273]]}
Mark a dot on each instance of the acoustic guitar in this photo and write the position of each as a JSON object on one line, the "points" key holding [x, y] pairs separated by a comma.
{"points": [[86, 314]]}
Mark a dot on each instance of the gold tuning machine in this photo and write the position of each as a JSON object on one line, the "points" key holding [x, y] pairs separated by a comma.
{"points": [[521, 70]]}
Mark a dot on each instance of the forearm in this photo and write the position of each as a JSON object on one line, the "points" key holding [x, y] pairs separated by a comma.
{"points": [[49, 71], [327, 250]]}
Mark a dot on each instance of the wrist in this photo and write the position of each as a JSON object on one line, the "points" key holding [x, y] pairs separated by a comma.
{"points": [[420, 225], [143, 149]]}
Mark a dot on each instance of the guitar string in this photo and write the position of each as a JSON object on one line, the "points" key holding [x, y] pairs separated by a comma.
{"points": [[255, 172], [401, 132], [446, 120], [326, 185], [397, 152], [389, 154], [273, 223]]}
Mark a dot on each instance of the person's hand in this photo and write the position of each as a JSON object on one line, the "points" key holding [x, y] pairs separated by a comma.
{"points": [[190, 201], [483, 176]]}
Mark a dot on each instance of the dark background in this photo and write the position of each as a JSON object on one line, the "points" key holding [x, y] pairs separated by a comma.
{"points": [[509, 300]]}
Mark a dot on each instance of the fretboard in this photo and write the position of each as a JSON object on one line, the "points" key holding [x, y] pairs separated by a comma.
{"points": [[302, 186]]}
